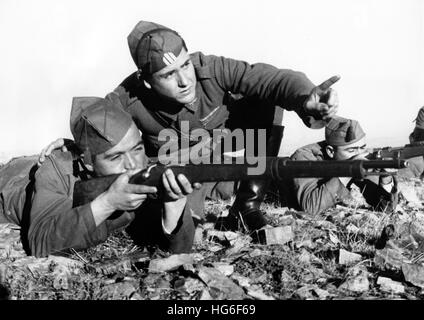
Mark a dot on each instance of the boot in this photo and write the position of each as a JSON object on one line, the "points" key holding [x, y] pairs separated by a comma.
{"points": [[245, 212]]}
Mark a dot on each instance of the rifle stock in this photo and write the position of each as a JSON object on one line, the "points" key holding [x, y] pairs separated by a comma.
{"points": [[277, 168]]}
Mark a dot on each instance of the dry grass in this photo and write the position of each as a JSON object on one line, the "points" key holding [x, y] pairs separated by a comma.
{"points": [[307, 267]]}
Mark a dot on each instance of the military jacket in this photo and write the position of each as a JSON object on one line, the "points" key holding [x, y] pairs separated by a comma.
{"points": [[315, 195], [230, 94], [42, 205]]}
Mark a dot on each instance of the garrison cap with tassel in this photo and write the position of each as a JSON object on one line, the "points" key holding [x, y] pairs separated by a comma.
{"points": [[153, 46]]}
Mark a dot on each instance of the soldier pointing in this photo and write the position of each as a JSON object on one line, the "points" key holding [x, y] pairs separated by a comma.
{"points": [[211, 92]]}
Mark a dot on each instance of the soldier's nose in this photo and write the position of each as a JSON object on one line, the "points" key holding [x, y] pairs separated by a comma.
{"points": [[130, 162], [182, 79]]}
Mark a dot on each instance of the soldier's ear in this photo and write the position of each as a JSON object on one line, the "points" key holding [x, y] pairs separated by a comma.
{"points": [[330, 151], [89, 166]]}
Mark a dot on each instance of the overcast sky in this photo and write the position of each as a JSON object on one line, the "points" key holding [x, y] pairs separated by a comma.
{"points": [[54, 50]]}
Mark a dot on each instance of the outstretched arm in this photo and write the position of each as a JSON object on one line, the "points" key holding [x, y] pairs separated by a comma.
{"points": [[289, 89]]}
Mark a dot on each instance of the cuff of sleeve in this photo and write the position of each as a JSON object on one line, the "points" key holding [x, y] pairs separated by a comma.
{"points": [[96, 233], [181, 225], [307, 118], [181, 239], [165, 231]]}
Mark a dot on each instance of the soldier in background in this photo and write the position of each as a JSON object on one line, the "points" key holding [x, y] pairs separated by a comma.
{"points": [[344, 140], [416, 164], [210, 92]]}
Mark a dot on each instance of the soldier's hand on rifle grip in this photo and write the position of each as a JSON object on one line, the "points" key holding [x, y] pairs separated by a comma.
{"points": [[176, 187], [121, 195]]}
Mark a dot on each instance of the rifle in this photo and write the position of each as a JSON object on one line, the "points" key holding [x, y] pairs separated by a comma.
{"points": [[408, 151], [276, 168]]}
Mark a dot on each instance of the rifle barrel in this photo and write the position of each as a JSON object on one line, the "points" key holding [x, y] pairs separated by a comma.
{"points": [[275, 168]]}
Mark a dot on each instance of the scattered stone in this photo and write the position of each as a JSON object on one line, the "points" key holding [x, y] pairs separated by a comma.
{"points": [[119, 290], [333, 238], [340, 214], [357, 280], [351, 228], [348, 258], [136, 296], [220, 287], [50, 264], [389, 258], [305, 256], [222, 235], [197, 257], [285, 277], [208, 225], [61, 280], [261, 277], [240, 243], [225, 268], [215, 248], [326, 225], [10, 241], [307, 243], [170, 263], [109, 281], [156, 296], [414, 274], [286, 221], [322, 294], [205, 295], [410, 194], [305, 292], [122, 263], [259, 295], [278, 235], [188, 267], [312, 273], [258, 252], [390, 286], [241, 280], [190, 285]]}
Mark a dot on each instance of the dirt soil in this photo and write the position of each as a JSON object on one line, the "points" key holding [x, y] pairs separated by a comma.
{"points": [[348, 252]]}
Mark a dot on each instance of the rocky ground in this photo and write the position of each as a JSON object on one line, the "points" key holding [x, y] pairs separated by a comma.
{"points": [[348, 252]]}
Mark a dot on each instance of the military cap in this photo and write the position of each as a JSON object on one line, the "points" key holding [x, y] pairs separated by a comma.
{"points": [[153, 46], [97, 125], [340, 131]]}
